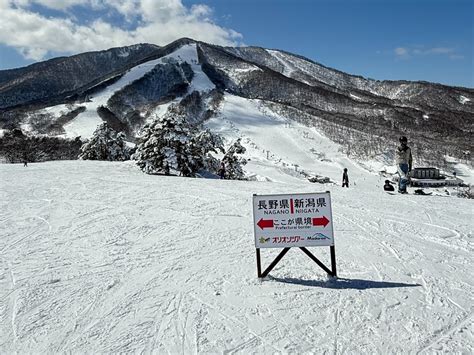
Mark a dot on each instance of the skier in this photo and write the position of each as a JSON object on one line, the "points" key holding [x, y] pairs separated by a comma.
{"points": [[222, 170], [388, 186], [404, 164], [345, 178]]}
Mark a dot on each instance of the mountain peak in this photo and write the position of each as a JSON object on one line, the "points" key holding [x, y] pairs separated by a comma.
{"points": [[135, 81]]}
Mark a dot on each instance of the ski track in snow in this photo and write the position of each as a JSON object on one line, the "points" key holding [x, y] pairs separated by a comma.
{"points": [[98, 257]]}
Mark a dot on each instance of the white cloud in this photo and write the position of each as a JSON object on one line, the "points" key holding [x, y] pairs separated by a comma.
{"points": [[159, 21], [401, 51], [408, 52], [440, 50], [52, 4]]}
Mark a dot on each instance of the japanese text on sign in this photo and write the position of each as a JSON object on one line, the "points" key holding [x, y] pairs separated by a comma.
{"points": [[295, 220]]}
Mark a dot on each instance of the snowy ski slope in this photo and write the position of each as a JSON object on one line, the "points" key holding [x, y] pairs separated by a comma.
{"points": [[86, 122], [98, 257], [292, 148]]}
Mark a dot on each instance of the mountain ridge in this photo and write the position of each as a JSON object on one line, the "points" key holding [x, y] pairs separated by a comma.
{"points": [[358, 106]]}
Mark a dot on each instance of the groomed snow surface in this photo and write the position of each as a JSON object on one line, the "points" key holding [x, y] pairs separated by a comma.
{"points": [[97, 257]]}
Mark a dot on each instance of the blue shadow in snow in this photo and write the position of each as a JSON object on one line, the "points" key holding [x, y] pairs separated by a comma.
{"points": [[342, 283]]}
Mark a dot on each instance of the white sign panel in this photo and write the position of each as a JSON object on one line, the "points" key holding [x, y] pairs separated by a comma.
{"points": [[293, 220]]}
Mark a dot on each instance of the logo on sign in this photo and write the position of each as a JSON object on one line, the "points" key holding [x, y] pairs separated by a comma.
{"points": [[318, 236]]}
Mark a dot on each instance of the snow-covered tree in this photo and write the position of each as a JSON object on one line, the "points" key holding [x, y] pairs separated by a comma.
{"points": [[170, 145], [105, 144], [233, 163], [203, 143]]}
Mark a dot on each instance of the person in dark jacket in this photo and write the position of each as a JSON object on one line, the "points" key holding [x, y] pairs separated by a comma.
{"points": [[222, 170], [404, 164], [345, 178], [388, 186]]}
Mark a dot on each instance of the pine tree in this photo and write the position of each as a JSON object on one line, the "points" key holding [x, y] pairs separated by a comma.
{"points": [[203, 143], [233, 163], [171, 145], [105, 144]]}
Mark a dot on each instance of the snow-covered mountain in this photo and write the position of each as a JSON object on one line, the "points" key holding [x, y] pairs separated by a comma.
{"points": [[128, 86], [99, 257]]}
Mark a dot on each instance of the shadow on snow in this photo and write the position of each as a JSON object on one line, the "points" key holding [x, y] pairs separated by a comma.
{"points": [[343, 283]]}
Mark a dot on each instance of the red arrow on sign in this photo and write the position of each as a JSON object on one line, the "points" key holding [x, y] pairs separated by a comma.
{"points": [[265, 223], [320, 221]]}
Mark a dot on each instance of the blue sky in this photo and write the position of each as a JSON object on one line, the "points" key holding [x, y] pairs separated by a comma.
{"points": [[428, 40]]}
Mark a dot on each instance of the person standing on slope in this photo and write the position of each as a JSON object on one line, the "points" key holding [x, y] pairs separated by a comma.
{"points": [[404, 164], [345, 178], [221, 171]]}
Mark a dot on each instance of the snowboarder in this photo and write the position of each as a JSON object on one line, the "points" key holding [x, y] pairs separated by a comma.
{"points": [[404, 164], [345, 178], [388, 186], [222, 170]]}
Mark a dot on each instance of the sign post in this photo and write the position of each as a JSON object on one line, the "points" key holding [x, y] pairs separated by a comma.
{"points": [[293, 220]]}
